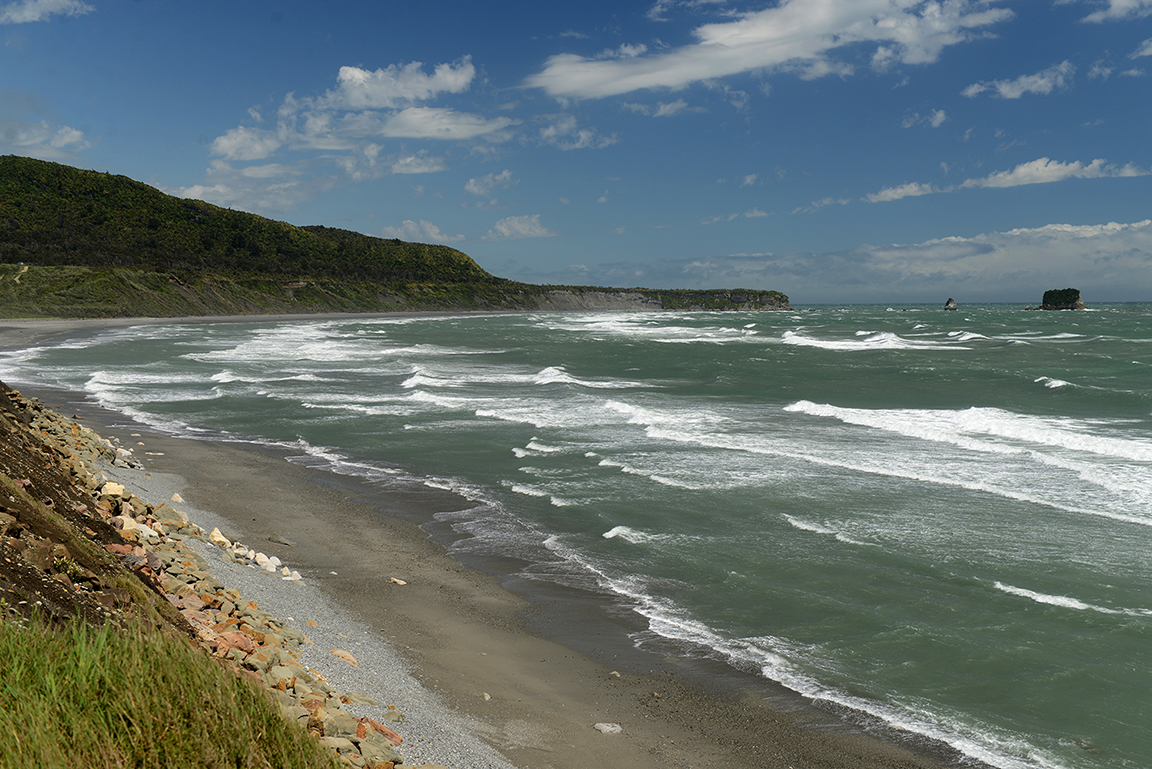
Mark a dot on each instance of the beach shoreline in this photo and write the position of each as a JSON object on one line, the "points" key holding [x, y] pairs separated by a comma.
{"points": [[489, 653]]}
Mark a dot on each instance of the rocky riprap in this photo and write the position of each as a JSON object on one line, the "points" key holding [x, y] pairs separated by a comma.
{"points": [[75, 546]]}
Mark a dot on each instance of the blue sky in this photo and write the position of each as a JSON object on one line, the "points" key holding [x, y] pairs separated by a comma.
{"points": [[835, 150]]}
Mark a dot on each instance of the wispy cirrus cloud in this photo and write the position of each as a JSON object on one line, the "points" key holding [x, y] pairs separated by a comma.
{"points": [[1120, 9], [797, 35], [1039, 171], [1044, 82], [935, 119], [41, 10]]}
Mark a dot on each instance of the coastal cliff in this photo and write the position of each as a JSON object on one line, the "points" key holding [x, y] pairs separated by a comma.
{"points": [[83, 244]]}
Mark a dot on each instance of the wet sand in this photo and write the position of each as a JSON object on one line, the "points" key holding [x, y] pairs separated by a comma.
{"points": [[532, 669]]}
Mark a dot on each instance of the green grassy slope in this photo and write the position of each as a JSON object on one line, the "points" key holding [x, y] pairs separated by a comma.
{"points": [[76, 243]]}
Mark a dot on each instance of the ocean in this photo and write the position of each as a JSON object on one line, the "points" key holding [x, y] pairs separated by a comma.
{"points": [[940, 519]]}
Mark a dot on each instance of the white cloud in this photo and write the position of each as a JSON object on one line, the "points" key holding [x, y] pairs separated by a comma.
{"points": [[748, 180], [420, 232], [419, 163], [269, 189], [1043, 171], [910, 190], [1145, 49], [518, 228], [935, 119], [1120, 9], [246, 144], [41, 10], [25, 129], [565, 133], [796, 35], [485, 185], [440, 123], [1039, 171], [662, 109], [752, 213], [1043, 82], [816, 205], [360, 89]]}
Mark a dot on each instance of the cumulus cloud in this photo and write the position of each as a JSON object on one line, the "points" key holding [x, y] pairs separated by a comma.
{"points": [[419, 232], [25, 129], [43, 140], [795, 35], [41, 10], [270, 188], [1039, 171], [1145, 49], [1120, 9], [1043, 83], [246, 144], [396, 85], [518, 228]]}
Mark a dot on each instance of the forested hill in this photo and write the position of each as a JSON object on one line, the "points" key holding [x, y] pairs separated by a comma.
{"points": [[77, 243], [52, 214]]}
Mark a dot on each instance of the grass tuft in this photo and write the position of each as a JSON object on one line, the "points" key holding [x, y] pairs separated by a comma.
{"points": [[101, 697]]}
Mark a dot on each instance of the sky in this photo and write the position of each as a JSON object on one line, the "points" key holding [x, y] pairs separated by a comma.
{"points": [[835, 150]]}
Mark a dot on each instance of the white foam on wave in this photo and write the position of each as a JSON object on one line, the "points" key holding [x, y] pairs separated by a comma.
{"points": [[777, 660], [1066, 602], [938, 475], [663, 480], [635, 536], [880, 340], [1052, 384], [965, 336], [816, 528], [987, 429], [643, 326]]}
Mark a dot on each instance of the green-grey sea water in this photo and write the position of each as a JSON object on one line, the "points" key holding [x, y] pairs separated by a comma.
{"points": [[943, 519]]}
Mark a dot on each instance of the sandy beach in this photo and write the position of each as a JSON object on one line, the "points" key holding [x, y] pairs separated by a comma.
{"points": [[527, 670]]}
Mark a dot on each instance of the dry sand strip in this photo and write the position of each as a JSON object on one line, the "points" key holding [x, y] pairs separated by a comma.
{"points": [[449, 647]]}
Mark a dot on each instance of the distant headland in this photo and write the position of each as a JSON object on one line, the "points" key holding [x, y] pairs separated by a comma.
{"points": [[85, 244]]}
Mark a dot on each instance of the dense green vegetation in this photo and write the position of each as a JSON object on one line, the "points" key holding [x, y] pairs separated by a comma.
{"points": [[51, 214], [76, 243], [101, 697], [1061, 298]]}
